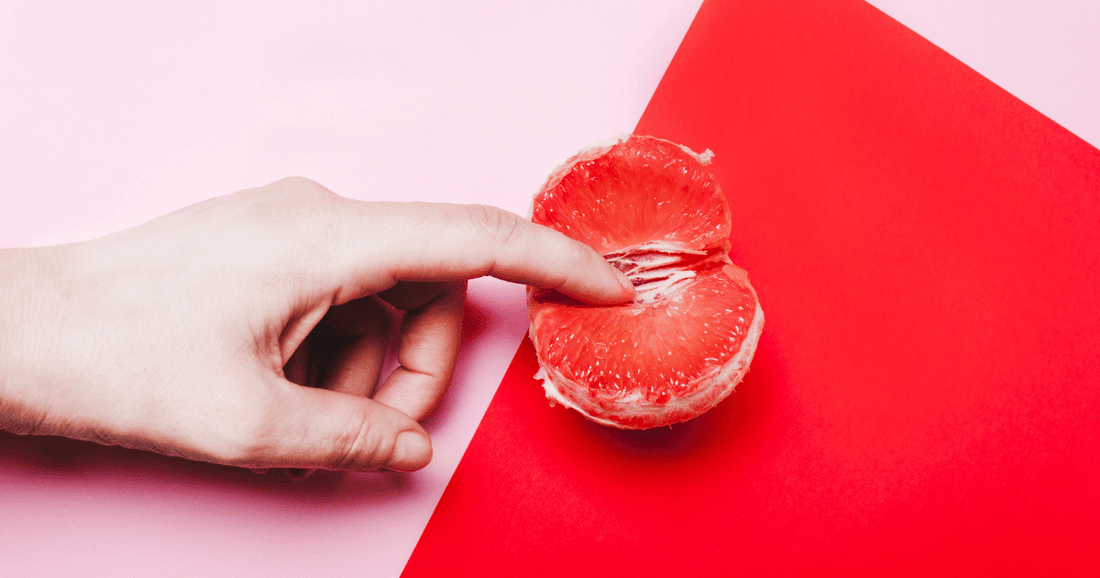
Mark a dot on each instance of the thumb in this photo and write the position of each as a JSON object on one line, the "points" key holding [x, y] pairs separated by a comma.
{"points": [[322, 429]]}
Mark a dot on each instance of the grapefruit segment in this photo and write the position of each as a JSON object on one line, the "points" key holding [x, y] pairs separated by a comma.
{"points": [[616, 196], [687, 338]]}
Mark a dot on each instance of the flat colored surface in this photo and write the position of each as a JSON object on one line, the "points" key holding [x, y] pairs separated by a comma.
{"points": [[925, 399], [1047, 54]]}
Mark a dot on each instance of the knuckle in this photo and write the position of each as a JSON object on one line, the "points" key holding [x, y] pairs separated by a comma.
{"points": [[289, 221], [300, 186], [360, 446], [293, 198], [500, 227]]}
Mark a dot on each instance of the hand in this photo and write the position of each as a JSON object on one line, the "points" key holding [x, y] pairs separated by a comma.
{"points": [[194, 335]]}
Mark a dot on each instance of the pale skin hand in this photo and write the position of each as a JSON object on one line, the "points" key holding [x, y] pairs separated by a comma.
{"points": [[192, 335]]}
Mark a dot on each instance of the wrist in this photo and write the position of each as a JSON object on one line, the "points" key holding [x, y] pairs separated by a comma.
{"points": [[32, 286]]}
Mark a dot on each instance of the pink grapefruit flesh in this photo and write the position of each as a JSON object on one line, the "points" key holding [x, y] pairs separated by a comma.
{"points": [[652, 209]]}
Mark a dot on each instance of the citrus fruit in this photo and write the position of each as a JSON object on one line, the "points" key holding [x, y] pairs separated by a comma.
{"points": [[653, 210]]}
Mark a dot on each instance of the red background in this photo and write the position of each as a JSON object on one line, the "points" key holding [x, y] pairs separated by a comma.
{"points": [[925, 395]]}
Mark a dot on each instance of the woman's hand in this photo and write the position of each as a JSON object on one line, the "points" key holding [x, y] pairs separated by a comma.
{"points": [[194, 334]]}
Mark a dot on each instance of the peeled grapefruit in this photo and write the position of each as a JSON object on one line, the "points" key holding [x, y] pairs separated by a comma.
{"points": [[652, 209]]}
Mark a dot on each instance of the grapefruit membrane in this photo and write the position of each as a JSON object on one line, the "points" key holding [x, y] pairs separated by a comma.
{"points": [[654, 211]]}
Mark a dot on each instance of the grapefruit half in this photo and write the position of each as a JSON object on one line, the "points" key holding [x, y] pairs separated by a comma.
{"points": [[653, 210]]}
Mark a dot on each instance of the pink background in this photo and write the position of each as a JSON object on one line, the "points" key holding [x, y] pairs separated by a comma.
{"points": [[1047, 54], [114, 114]]}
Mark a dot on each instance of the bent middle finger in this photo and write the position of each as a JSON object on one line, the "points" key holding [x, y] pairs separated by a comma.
{"points": [[431, 333]]}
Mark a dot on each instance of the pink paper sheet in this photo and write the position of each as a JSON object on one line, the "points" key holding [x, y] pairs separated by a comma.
{"points": [[115, 113]]}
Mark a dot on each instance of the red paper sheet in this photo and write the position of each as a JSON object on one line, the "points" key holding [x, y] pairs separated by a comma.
{"points": [[925, 399]]}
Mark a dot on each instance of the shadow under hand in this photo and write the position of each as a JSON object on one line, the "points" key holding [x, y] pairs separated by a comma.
{"points": [[56, 461]]}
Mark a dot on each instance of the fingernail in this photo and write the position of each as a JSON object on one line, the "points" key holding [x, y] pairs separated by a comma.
{"points": [[260, 471], [625, 282], [412, 451]]}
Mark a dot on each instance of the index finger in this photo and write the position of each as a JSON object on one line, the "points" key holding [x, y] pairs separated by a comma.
{"points": [[443, 242]]}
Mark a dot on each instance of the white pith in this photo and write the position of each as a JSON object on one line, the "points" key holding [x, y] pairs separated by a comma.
{"points": [[704, 157], [655, 267]]}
